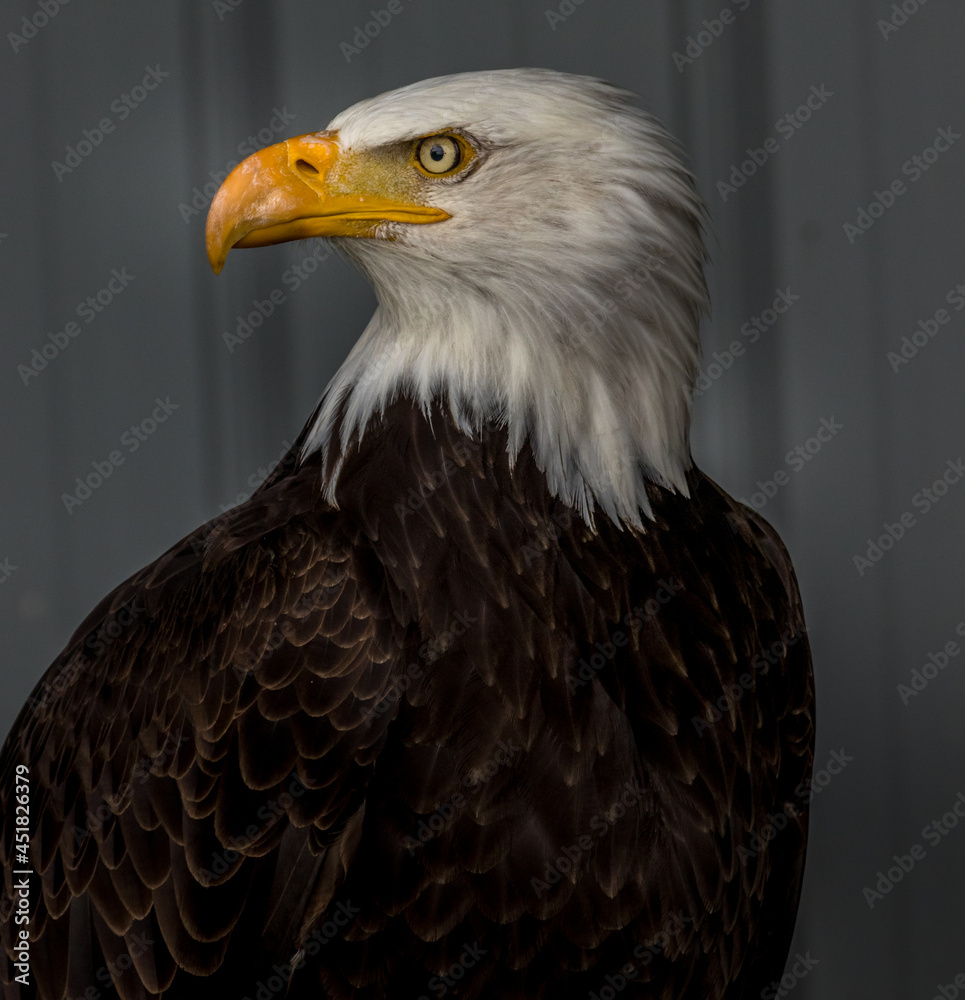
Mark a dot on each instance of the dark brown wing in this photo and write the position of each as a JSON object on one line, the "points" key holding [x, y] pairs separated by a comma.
{"points": [[570, 784], [198, 756], [577, 778]]}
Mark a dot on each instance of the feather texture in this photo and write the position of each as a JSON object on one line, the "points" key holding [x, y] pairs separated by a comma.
{"points": [[556, 748]]}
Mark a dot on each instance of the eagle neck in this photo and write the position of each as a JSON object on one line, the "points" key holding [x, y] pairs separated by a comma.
{"points": [[596, 380]]}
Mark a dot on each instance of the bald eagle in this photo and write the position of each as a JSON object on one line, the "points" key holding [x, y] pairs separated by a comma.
{"points": [[487, 692]]}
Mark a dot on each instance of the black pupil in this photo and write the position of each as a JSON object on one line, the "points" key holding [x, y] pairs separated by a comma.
{"points": [[437, 152]]}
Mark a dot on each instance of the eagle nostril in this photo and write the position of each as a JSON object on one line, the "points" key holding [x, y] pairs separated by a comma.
{"points": [[305, 167]]}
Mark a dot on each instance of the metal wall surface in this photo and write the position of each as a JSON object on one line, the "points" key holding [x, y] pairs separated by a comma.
{"points": [[803, 124]]}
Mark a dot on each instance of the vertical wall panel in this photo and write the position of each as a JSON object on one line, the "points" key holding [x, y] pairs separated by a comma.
{"points": [[137, 201]]}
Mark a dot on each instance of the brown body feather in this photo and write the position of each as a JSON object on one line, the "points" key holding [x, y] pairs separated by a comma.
{"points": [[445, 739]]}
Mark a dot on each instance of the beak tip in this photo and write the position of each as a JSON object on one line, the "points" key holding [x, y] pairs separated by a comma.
{"points": [[214, 243]]}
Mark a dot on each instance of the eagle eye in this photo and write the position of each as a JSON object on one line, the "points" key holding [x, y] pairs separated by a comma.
{"points": [[440, 154]]}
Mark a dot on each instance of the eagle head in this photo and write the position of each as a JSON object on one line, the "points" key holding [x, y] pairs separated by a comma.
{"points": [[536, 248]]}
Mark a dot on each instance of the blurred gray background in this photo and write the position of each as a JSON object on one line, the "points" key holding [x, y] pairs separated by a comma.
{"points": [[882, 83]]}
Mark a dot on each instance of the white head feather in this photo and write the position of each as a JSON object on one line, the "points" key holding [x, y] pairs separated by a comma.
{"points": [[562, 298]]}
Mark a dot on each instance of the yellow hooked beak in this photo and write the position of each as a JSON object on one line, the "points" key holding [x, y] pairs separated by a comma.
{"points": [[295, 190]]}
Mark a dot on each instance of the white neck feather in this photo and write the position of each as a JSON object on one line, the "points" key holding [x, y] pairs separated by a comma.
{"points": [[561, 299], [599, 380]]}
